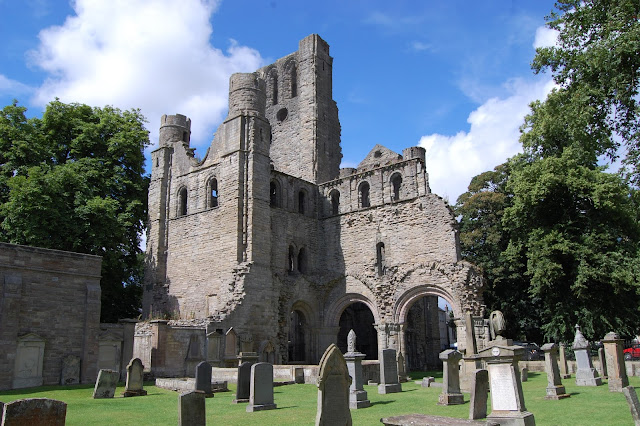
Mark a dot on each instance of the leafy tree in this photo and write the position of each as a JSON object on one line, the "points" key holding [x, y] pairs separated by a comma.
{"points": [[74, 180]]}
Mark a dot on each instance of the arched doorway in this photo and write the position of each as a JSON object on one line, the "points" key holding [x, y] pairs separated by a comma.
{"points": [[427, 332], [358, 317], [298, 332]]}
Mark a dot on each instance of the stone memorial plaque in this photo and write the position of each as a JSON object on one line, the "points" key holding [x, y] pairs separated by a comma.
{"points": [[503, 390]]}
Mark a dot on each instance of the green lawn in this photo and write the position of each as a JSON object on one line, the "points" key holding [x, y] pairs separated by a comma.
{"points": [[297, 405]]}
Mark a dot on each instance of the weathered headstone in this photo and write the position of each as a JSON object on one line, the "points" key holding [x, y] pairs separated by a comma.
{"points": [[427, 381], [34, 411], [603, 364], [70, 372], [106, 384], [261, 394], [451, 394], [243, 388], [479, 394], [564, 368], [616, 369], [402, 373], [333, 389], [388, 372], [555, 389], [634, 405], [191, 409], [586, 375], [203, 378], [507, 398], [134, 385], [357, 394], [524, 374]]}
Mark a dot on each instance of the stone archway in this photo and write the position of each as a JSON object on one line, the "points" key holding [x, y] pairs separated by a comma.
{"points": [[300, 334], [359, 318]]}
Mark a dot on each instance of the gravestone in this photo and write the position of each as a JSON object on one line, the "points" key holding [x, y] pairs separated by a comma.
{"points": [[479, 394], [586, 375], [261, 393], [134, 385], [243, 389], [333, 389], [203, 379], [357, 394], [634, 405], [555, 389], [106, 384], [564, 368], [388, 372], [28, 362], [507, 398], [451, 394], [70, 372], [603, 364], [616, 369], [34, 411], [214, 346], [250, 357], [427, 381], [191, 409], [402, 373], [524, 374]]}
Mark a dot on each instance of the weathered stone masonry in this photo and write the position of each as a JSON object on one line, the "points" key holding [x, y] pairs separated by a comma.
{"points": [[267, 225]]}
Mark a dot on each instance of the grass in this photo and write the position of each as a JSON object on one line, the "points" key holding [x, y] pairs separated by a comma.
{"points": [[297, 405]]}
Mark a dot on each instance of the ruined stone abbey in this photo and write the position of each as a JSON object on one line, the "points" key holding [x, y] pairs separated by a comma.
{"points": [[266, 245]]}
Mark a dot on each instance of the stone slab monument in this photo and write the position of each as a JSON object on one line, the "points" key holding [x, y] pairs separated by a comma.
{"points": [[634, 404], [261, 392], [353, 358], [451, 394], [555, 389], [603, 364], [524, 374], [507, 398], [564, 368], [333, 389], [134, 385], [203, 379], [479, 394], [70, 373], [388, 372], [616, 369], [34, 411], [106, 384], [191, 409], [243, 388], [586, 375]]}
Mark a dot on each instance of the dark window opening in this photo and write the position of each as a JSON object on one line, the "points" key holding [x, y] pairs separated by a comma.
{"points": [[364, 195], [273, 194], [380, 259], [335, 202], [294, 82], [274, 86], [291, 261], [301, 202], [302, 261], [182, 196], [213, 193], [396, 181], [297, 337]]}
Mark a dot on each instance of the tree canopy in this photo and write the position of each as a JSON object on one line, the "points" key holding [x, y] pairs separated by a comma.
{"points": [[74, 180], [557, 235]]}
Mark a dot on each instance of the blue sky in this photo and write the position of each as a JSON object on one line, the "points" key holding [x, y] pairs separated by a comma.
{"points": [[452, 76]]}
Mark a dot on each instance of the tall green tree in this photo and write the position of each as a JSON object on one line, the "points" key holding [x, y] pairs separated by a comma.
{"points": [[74, 180]]}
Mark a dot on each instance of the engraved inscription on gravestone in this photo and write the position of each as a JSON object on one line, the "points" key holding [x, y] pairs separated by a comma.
{"points": [[503, 395]]}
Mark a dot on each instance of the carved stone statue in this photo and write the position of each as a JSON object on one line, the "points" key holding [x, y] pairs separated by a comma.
{"points": [[351, 341], [497, 325]]}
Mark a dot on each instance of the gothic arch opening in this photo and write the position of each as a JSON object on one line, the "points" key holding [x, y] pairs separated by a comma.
{"points": [[359, 318], [298, 335], [427, 332], [396, 184], [363, 191]]}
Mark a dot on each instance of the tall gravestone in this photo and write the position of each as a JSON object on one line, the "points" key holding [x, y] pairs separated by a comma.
{"points": [[586, 375], [135, 374], [634, 405], [106, 384], [34, 411], [191, 409], [353, 358], [402, 372], [616, 369], [203, 379], [70, 372], [243, 388], [333, 390], [507, 398], [261, 393], [451, 394], [603, 364], [555, 389], [388, 372], [479, 394], [564, 368]]}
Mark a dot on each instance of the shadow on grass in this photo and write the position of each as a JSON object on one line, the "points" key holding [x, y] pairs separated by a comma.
{"points": [[40, 389], [288, 406], [418, 375], [383, 402], [530, 374]]}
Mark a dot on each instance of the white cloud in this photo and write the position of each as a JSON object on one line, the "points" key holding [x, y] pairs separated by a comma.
{"points": [[152, 55], [492, 138], [545, 37], [13, 87]]}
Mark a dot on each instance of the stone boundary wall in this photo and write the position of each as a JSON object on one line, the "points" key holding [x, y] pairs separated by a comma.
{"points": [[49, 309]]}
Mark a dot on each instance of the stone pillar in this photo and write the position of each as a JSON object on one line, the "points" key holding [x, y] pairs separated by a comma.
{"points": [[555, 389], [586, 374], [357, 394], [450, 378], [603, 363], [616, 368], [564, 369], [470, 363]]}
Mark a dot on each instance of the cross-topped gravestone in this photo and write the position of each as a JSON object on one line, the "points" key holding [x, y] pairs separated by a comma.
{"points": [[555, 389], [333, 389], [261, 393]]}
